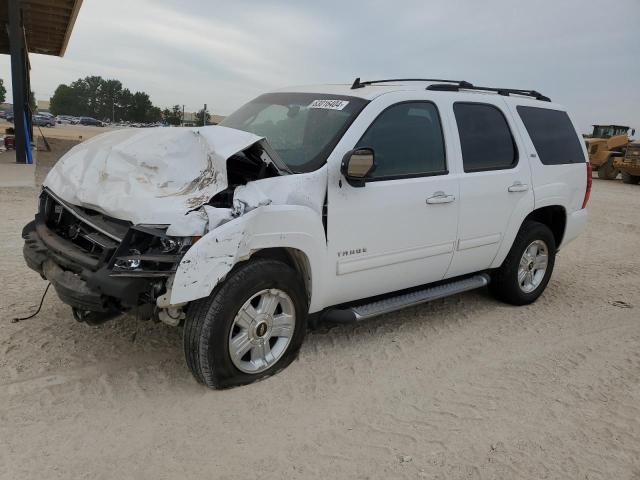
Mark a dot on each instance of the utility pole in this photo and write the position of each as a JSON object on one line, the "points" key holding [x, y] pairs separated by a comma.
{"points": [[182, 122], [204, 115]]}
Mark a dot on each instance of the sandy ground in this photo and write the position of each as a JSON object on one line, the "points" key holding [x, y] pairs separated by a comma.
{"points": [[463, 388]]}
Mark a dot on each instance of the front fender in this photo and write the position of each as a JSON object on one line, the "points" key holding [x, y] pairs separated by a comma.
{"points": [[290, 226]]}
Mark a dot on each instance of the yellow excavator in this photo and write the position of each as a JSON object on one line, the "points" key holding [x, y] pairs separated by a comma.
{"points": [[605, 144]]}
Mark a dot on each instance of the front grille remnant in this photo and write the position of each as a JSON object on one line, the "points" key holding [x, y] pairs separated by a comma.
{"points": [[67, 224]]}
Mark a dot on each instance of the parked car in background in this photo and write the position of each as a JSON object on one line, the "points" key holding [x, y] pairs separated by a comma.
{"points": [[64, 119], [43, 121], [9, 116], [90, 121]]}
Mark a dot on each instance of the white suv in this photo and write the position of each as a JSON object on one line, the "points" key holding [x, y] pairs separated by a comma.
{"points": [[335, 202]]}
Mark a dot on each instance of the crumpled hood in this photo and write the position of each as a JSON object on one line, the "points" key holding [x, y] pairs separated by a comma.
{"points": [[152, 176]]}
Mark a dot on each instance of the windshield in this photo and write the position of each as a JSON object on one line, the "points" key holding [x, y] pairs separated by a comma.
{"points": [[607, 131], [303, 128]]}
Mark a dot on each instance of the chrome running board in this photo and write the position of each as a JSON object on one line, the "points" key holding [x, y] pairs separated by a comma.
{"points": [[391, 304]]}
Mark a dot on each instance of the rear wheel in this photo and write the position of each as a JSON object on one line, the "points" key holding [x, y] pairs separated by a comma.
{"points": [[632, 179], [249, 328], [526, 270], [606, 171]]}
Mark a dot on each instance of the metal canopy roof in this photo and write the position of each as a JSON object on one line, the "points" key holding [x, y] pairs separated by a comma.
{"points": [[47, 25]]}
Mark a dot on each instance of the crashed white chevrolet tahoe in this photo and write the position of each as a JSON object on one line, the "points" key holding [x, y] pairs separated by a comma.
{"points": [[335, 203]]}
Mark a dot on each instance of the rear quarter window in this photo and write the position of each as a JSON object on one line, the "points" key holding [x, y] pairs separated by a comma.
{"points": [[552, 134]]}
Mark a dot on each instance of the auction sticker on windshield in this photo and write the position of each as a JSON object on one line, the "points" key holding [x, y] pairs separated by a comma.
{"points": [[329, 104]]}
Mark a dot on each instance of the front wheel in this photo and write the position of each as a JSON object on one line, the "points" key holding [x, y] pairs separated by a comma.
{"points": [[250, 327], [526, 270]]}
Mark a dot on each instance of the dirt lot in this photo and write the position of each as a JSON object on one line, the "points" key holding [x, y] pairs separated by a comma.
{"points": [[460, 388]]}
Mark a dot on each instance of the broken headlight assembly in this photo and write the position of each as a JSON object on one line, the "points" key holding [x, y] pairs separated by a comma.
{"points": [[146, 251]]}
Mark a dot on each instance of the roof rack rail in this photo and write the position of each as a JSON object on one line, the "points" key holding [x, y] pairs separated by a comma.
{"points": [[500, 91], [358, 84]]}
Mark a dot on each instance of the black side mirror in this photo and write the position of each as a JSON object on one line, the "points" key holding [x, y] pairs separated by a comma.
{"points": [[357, 165]]}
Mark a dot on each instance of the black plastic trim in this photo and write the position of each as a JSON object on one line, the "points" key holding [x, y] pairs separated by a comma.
{"points": [[499, 91], [358, 84]]}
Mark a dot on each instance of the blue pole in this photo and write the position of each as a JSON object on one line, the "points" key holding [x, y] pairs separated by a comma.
{"points": [[27, 140]]}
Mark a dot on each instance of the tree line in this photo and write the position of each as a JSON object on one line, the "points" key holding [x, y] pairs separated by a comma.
{"points": [[96, 97], [104, 99]]}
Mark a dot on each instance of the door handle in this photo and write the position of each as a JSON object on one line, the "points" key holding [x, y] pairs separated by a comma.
{"points": [[518, 187], [440, 197]]}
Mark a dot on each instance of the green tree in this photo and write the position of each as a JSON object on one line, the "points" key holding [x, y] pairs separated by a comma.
{"points": [[173, 116], [140, 107], [32, 101], [3, 92], [154, 114], [94, 96], [203, 117], [108, 99]]}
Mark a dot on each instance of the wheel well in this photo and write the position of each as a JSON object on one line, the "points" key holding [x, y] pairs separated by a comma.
{"points": [[293, 257], [554, 217]]}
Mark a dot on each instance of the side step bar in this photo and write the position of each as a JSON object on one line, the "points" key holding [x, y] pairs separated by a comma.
{"points": [[390, 304]]}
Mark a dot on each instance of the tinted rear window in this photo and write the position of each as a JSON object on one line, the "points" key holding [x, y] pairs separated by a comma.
{"points": [[485, 137], [552, 134]]}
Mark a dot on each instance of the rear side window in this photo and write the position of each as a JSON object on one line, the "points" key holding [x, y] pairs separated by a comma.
{"points": [[552, 134], [485, 137]]}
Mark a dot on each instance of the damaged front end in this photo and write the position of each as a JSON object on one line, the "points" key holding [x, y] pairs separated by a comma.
{"points": [[111, 230], [99, 265]]}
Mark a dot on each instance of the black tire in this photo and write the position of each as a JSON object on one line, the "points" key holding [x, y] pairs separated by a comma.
{"points": [[631, 179], [504, 281], [209, 321], [606, 171]]}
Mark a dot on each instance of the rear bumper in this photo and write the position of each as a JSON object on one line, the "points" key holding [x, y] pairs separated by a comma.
{"points": [[78, 281], [576, 223]]}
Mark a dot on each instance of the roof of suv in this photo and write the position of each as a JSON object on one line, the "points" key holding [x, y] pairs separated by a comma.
{"points": [[371, 90], [368, 93]]}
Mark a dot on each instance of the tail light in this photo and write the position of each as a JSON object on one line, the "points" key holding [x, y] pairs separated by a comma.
{"points": [[587, 192]]}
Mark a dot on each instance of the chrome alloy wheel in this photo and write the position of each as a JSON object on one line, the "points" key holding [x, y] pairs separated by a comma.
{"points": [[262, 331], [533, 266]]}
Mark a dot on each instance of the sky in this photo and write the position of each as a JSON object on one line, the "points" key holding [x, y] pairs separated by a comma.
{"points": [[584, 54]]}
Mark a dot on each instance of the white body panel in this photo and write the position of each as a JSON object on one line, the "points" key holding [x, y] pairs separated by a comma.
{"points": [[293, 219], [384, 236], [562, 185], [487, 206]]}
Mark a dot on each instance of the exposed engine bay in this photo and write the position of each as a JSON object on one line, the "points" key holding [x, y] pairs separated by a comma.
{"points": [[251, 164]]}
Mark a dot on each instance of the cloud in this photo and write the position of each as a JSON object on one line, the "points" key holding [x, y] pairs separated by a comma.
{"points": [[191, 52]]}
